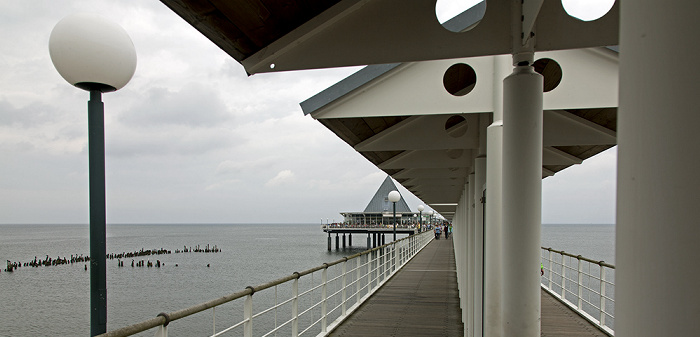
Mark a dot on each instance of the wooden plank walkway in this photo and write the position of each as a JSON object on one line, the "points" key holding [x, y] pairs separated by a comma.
{"points": [[422, 300]]}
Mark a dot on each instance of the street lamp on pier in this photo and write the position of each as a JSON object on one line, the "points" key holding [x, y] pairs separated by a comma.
{"points": [[394, 196], [420, 217], [96, 55]]}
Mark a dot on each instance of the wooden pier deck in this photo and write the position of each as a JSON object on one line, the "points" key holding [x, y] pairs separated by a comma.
{"points": [[422, 300]]}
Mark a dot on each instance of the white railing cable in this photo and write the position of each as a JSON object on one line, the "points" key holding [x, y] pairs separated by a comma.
{"points": [[591, 289], [381, 264]]}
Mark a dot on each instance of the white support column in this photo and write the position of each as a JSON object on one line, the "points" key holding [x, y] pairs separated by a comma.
{"points": [[522, 199], [494, 210], [479, 182], [457, 245], [461, 241], [492, 242], [656, 281], [471, 261]]}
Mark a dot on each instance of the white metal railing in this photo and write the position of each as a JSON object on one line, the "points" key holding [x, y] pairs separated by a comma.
{"points": [[307, 306], [586, 286]]}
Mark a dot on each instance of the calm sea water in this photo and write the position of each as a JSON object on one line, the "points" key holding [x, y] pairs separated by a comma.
{"points": [[55, 300]]}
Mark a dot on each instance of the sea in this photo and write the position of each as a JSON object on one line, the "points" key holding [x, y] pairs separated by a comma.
{"points": [[55, 300]]}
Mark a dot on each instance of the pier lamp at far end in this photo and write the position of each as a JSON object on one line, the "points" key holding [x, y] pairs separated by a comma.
{"points": [[394, 196], [420, 217], [96, 55]]}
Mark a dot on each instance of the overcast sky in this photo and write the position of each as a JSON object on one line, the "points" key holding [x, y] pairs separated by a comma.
{"points": [[192, 139]]}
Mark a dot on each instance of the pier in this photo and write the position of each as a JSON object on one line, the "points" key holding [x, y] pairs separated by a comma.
{"points": [[376, 235], [405, 288]]}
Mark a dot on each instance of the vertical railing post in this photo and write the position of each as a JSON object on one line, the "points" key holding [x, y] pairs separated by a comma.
{"points": [[387, 263], [358, 275], [396, 257], [324, 308], [345, 269], [580, 283], [248, 316], [550, 270], [382, 265], [370, 271], [295, 307], [563, 277], [602, 295], [162, 331]]}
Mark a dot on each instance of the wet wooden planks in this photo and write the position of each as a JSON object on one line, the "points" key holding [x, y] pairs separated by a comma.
{"points": [[422, 300], [559, 320]]}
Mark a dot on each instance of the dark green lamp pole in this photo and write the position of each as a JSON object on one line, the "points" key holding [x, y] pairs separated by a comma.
{"points": [[96, 55], [394, 196], [420, 217]]}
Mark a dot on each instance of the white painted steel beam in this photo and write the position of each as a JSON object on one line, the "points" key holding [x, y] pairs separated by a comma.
{"points": [[356, 32], [553, 156], [427, 159], [425, 133], [563, 128], [589, 80]]}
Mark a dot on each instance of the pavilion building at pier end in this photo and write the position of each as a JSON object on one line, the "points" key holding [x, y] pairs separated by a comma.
{"points": [[379, 210]]}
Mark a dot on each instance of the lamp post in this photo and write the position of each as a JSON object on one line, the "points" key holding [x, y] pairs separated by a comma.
{"points": [[430, 217], [420, 217], [394, 196], [96, 55]]}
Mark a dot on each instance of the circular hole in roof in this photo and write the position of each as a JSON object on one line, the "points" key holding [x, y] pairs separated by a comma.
{"points": [[551, 71], [459, 15], [456, 126], [459, 79], [587, 10]]}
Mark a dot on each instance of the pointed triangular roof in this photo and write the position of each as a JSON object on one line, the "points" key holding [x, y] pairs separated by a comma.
{"points": [[380, 201]]}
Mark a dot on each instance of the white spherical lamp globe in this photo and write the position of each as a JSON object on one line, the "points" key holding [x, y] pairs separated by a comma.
{"points": [[394, 196], [421, 208], [430, 213], [92, 53]]}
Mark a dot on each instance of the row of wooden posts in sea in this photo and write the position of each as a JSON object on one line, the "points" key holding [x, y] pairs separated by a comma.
{"points": [[48, 261]]}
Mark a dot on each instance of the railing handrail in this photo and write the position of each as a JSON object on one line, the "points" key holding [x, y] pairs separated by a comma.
{"points": [[166, 318], [571, 277], [601, 263]]}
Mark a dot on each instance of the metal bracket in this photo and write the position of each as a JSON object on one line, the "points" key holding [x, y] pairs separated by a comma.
{"points": [[530, 10]]}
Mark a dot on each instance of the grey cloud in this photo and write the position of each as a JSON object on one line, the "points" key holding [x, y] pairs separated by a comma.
{"points": [[32, 115], [169, 141], [194, 106]]}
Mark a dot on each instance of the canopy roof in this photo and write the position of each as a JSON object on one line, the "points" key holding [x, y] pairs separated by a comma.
{"points": [[380, 201], [400, 116], [267, 35]]}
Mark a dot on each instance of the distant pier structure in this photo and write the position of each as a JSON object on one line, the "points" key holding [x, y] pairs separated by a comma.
{"points": [[376, 220], [376, 236]]}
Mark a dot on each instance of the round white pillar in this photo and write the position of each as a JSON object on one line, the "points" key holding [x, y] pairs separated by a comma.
{"points": [[492, 236], [657, 254], [522, 194], [479, 181], [471, 260]]}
